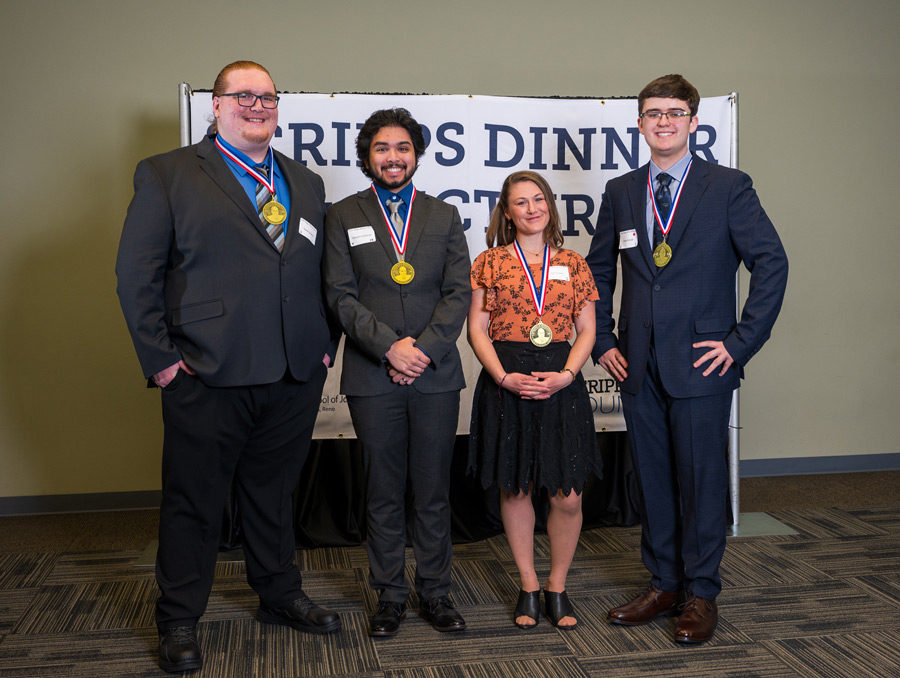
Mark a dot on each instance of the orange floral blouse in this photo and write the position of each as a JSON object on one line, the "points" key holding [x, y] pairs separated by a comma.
{"points": [[509, 300]]}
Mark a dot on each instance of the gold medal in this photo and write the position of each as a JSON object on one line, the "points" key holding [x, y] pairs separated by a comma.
{"points": [[274, 212], [402, 272], [662, 255], [540, 335]]}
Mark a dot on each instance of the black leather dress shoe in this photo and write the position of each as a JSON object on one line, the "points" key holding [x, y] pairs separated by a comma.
{"points": [[179, 650], [441, 614], [302, 614], [387, 618]]}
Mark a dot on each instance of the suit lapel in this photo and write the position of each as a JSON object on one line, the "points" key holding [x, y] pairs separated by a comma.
{"points": [[368, 203], [420, 208], [293, 217], [637, 196], [694, 186], [215, 166]]}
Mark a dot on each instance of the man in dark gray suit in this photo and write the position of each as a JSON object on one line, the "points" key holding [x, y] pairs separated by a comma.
{"points": [[397, 280], [680, 227], [219, 279]]}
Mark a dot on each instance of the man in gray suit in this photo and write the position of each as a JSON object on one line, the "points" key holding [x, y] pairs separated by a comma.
{"points": [[397, 279], [219, 279]]}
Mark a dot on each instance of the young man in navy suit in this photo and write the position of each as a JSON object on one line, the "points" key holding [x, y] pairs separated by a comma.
{"points": [[219, 278], [681, 226]]}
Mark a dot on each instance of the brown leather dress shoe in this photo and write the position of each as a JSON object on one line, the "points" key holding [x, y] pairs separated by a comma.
{"points": [[652, 603], [697, 622]]}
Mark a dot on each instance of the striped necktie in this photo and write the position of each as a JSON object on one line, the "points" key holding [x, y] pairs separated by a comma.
{"points": [[263, 194]]}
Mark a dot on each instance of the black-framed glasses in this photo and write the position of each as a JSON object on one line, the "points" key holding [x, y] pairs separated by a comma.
{"points": [[673, 116], [247, 99]]}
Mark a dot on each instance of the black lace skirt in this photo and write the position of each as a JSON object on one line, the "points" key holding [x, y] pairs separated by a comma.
{"points": [[549, 443]]}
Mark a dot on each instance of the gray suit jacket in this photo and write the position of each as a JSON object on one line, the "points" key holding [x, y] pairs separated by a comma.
{"points": [[374, 311], [199, 278]]}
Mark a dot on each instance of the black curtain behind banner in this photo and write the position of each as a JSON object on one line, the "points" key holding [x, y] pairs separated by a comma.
{"points": [[330, 502]]}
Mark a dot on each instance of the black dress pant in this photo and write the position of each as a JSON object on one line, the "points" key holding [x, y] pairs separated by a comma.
{"points": [[407, 435], [251, 438]]}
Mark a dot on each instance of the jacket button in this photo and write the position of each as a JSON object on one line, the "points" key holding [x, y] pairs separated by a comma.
{"points": [[646, 323], [285, 298], [656, 288]]}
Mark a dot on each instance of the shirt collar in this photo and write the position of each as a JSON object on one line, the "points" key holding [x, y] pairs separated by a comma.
{"points": [[676, 171], [243, 156], [385, 194]]}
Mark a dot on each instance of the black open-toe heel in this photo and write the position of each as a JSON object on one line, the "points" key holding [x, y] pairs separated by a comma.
{"points": [[528, 605], [557, 606]]}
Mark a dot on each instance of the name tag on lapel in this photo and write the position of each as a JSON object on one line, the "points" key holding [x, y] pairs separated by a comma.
{"points": [[361, 235], [307, 230], [628, 239]]}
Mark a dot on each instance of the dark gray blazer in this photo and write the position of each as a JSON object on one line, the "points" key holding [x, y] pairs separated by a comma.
{"points": [[374, 311], [199, 278], [719, 224]]}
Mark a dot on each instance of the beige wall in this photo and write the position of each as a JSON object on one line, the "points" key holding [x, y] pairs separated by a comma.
{"points": [[90, 87]]}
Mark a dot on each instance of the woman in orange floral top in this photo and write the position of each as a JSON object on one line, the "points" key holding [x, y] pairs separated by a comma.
{"points": [[532, 426]]}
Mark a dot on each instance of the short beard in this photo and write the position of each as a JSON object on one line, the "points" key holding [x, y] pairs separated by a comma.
{"points": [[397, 182]]}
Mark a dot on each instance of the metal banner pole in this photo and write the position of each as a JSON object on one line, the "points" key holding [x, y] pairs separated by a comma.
{"points": [[184, 112]]}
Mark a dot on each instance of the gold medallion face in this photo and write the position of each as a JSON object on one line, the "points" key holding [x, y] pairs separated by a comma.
{"points": [[274, 212], [662, 255], [402, 272], [540, 335]]}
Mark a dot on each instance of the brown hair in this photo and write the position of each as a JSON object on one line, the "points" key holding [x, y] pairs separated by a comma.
{"points": [[219, 85], [671, 86], [502, 231]]}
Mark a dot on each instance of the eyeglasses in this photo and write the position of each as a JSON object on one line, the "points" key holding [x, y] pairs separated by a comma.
{"points": [[246, 99], [672, 116]]}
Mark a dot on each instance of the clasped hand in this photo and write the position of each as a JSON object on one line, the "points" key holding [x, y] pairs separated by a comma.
{"points": [[405, 361], [537, 385]]}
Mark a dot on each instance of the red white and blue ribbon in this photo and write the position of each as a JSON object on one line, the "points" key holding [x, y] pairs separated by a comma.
{"points": [[399, 239], [270, 161], [538, 296], [665, 227]]}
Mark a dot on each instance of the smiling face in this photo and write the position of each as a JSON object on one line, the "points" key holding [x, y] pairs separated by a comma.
{"points": [[527, 208], [667, 137], [392, 158], [249, 129]]}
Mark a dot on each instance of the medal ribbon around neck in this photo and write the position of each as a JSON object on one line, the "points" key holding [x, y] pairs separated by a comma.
{"points": [[270, 160], [538, 298], [399, 239], [665, 227]]}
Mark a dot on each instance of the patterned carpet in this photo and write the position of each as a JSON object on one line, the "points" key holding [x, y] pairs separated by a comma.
{"points": [[823, 602]]}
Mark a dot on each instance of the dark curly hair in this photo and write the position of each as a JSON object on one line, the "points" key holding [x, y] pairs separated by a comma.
{"points": [[389, 117]]}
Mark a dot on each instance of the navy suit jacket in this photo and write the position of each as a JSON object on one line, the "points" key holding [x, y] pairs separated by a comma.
{"points": [[374, 311], [719, 224], [199, 278]]}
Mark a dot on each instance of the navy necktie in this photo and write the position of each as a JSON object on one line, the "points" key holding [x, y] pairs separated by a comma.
{"points": [[663, 204]]}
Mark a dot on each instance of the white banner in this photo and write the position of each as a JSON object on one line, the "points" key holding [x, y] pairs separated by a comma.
{"points": [[474, 142]]}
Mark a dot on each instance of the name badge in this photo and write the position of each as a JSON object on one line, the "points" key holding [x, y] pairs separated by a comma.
{"points": [[361, 235], [628, 239], [559, 273], [307, 230]]}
